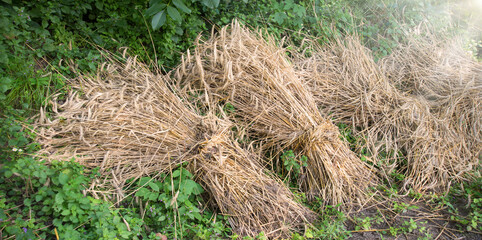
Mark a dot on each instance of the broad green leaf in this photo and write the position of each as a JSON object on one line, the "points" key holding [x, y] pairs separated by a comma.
{"points": [[116, 219], [143, 181], [6, 84], [174, 14], [42, 177], [12, 142], [84, 201], [65, 212], [63, 178], [188, 203], [181, 210], [97, 39], [57, 222], [198, 189], [59, 198], [91, 66], [27, 202], [180, 5], [156, 8], [3, 216], [191, 187], [299, 10], [186, 173], [211, 3], [182, 197], [288, 4], [188, 186], [45, 23], [179, 31], [163, 197], [154, 186], [99, 5], [8, 174], [3, 54], [158, 20], [142, 192], [176, 173], [153, 196], [308, 233]]}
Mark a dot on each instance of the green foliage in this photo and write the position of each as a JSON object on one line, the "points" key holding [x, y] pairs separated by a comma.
{"points": [[320, 19], [171, 202], [383, 25], [331, 225], [14, 141], [23, 82], [34, 195], [292, 165], [229, 108], [39, 198], [403, 207], [356, 143], [410, 225], [471, 191], [173, 205], [61, 30]]}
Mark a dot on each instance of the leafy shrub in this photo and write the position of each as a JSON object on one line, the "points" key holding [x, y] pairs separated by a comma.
{"points": [[14, 140], [172, 204], [39, 198], [331, 225], [36, 199]]}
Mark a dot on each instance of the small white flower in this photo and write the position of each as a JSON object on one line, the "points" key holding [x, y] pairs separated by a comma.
{"points": [[14, 149]]}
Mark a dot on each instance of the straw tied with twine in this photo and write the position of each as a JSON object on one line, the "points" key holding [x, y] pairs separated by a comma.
{"points": [[425, 100], [274, 108], [127, 121]]}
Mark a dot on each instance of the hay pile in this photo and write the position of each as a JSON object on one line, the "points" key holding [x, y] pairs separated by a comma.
{"points": [[127, 121], [274, 108], [437, 129], [444, 75]]}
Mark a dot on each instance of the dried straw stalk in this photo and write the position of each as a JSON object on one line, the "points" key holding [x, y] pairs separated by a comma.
{"points": [[348, 84], [127, 121], [239, 67], [242, 189], [446, 76]]}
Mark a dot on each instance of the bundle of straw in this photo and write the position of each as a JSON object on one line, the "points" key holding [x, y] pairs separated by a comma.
{"points": [[446, 76], [347, 83], [242, 189], [271, 103], [127, 121]]}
